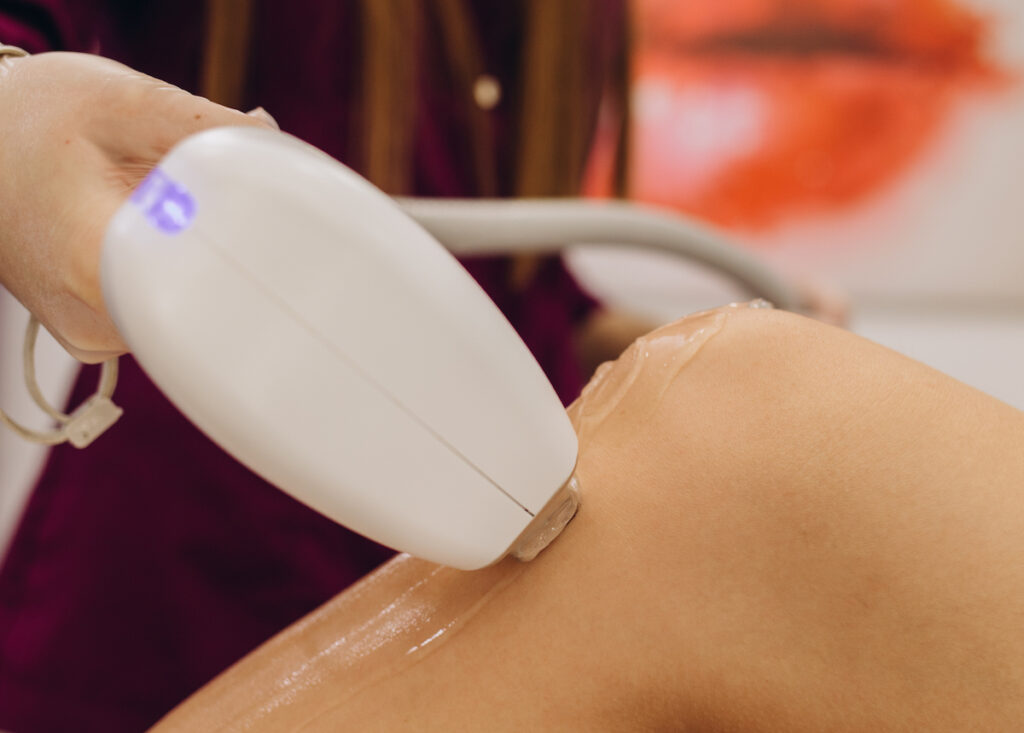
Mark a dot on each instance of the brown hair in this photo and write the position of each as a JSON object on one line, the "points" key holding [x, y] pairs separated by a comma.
{"points": [[228, 32], [557, 107], [556, 113]]}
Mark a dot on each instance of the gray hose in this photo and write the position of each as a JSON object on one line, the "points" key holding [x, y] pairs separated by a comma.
{"points": [[518, 226]]}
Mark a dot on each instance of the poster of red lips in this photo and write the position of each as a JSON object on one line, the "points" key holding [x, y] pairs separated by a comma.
{"points": [[876, 144]]}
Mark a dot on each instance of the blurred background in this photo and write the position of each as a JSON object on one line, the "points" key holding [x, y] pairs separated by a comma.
{"points": [[874, 146]]}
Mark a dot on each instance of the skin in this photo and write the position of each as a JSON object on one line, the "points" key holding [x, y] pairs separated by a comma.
{"points": [[784, 527], [79, 134]]}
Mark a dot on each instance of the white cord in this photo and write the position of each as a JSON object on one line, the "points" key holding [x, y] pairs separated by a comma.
{"points": [[29, 371], [90, 420]]}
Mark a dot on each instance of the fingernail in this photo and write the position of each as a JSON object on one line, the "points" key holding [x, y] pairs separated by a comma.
{"points": [[264, 116]]}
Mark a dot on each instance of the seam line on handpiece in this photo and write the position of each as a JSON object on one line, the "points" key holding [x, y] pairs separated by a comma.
{"points": [[287, 308]]}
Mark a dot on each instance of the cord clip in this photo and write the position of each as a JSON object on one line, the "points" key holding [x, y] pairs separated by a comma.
{"points": [[90, 420]]}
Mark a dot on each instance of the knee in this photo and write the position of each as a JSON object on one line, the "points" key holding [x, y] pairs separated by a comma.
{"points": [[735, 389], [789, 497], [774, 393], [751, 442], [714, 414]]}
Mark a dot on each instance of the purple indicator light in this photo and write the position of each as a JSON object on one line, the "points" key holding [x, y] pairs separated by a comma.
{"points": [[165, 203]]}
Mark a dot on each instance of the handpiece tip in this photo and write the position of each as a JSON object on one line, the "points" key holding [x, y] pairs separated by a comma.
{"points": [[550, 522]]}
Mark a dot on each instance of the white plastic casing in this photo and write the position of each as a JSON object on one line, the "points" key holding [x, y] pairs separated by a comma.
{"points": [[314, 331]]}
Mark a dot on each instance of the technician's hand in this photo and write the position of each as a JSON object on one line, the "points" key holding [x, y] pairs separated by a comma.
{"points": [[77, 134]]}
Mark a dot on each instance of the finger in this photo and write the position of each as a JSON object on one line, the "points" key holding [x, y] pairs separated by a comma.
{"points": [[187, 114], [156, 116]]}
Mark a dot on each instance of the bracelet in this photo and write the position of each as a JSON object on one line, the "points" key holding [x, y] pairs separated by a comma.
{"points": [[11, 51]]}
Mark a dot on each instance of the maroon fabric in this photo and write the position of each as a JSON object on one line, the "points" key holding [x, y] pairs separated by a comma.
{"points": [[146, 564]]}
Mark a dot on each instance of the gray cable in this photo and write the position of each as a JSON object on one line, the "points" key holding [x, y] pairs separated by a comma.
{"points": [[512, 226]]}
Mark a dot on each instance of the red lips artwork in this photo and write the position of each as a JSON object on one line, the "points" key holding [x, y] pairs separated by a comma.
{"points": [[753, 113]]}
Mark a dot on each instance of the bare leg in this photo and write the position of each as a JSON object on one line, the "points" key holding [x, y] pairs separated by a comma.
{"points": [[788, 529]]}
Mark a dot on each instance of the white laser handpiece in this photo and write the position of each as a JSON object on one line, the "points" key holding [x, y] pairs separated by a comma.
{"points": [[297, 316]]}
